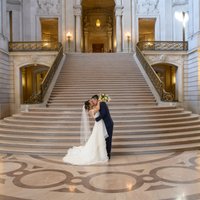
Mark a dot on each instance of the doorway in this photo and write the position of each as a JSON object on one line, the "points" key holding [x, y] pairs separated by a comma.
{"points": [[97, 48], [31, 79], [147, 29], [49, 29], [167, 74], [98, 25]]}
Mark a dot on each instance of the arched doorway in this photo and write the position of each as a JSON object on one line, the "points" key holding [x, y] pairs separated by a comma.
{"points": [[98, 25], [31, 77], [168, 74]]}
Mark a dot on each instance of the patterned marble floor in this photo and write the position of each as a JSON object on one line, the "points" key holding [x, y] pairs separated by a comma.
{"points": [[173, 176]]}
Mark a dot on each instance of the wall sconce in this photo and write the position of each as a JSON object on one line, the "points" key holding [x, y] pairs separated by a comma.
{"points": [[182, 17], [128, 36], [69, 36], [98, 23]]}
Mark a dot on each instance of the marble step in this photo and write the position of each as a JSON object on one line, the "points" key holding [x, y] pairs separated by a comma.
{"points": [[115, 152], [114, 102], [120, 118], [115, 145], [117, 139], [68, 122], [124, 133], [52, 104], [6, 135], [113, 99], [140, 125], [123, 127]]}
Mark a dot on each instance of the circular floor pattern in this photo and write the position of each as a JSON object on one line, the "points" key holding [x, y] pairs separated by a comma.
{"points": [[43, 179], [176, 174], [118, 181]]}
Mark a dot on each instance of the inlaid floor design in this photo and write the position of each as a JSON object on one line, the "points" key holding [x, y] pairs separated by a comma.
{"points": [[172, 176]]}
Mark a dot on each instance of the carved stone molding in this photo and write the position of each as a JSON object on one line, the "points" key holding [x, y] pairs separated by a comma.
{"points": [[78, 10], [21, 60], [177, 60], [49, 7], [119, 10], [147, 7]]}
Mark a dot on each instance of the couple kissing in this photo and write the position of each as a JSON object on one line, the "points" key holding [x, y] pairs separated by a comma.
{"points": [[98, 142]]}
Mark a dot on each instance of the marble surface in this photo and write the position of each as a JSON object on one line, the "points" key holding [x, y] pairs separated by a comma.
{"points": [[172, 176]]}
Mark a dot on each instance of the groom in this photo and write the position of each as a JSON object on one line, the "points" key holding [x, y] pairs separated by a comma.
{"points": [[105, 115]]}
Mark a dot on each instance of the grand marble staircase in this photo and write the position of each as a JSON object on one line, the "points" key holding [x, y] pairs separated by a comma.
{"points": [[140, 125]]}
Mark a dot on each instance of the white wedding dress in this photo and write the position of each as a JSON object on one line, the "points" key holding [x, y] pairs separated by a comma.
{"points": [[94, 150]]}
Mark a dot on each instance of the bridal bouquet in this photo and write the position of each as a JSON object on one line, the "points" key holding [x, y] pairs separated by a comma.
{"points": [[104, 97]]}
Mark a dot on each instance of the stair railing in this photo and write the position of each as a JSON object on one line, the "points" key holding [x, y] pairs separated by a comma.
{"points": [[155, 79], [38, 98]]}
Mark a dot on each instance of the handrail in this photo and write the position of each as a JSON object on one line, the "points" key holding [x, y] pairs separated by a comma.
{"points": [[50, 74], [34, 46], [158, 84], [38, 98], [163, 45]]}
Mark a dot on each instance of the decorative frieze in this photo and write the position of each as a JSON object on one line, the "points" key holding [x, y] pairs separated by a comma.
{"points": [[174, 59], [31, 58], [146, 7], [77, 10], [49, 7], [119, 10]]}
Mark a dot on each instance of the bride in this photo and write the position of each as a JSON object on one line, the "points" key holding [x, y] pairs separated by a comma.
{"points": [[93, 150]]}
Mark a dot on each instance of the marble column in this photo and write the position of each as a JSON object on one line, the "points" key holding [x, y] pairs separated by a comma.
{"points": [[26, 20], [118, 15], [109, 41], [86, 40], [78, 35]]}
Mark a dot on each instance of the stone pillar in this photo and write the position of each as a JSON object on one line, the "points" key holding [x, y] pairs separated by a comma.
{"points": [[86, 40], [26, 20], [109, 41], [78, 35], [118, 14]]}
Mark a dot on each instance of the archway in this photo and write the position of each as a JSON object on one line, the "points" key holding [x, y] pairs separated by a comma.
{"points": [[98, 25], [168, 74], [31, 77]]}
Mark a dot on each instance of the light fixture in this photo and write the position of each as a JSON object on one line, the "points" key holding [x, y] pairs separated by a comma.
{"points": [[182, 17], [69, 35], [98, 23], [128, 35]]}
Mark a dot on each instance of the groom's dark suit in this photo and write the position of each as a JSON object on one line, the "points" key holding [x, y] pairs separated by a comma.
{"points": [[105, 115]]}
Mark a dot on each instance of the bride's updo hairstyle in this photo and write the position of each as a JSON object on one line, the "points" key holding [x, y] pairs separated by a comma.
{"points": [[87, 105]]}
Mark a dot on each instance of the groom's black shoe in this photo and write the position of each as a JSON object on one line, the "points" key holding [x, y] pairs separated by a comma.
{"points": [[109, 156]]}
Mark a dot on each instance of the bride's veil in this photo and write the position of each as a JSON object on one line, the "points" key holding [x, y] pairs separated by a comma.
{"points": [[85, 131]]}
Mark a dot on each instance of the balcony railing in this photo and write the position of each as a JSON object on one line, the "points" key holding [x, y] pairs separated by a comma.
{"points": [[34, 46], [163, 46]]}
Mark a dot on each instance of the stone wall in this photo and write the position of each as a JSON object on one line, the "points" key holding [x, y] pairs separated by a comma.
{"points": [[192, 69], [6, 86]]}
